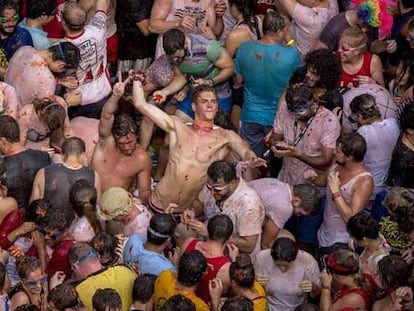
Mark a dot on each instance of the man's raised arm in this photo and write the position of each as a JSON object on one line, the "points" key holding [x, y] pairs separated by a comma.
{"points": [[110, 107], [159, 117]]}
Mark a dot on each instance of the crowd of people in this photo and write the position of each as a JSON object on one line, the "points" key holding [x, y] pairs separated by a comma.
{"points": [[206, 155]]}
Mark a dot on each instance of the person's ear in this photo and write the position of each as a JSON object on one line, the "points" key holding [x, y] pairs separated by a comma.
{"points": [[296, 201]]}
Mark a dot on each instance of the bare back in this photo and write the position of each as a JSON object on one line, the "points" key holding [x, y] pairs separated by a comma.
{"points": [[191, 153]]}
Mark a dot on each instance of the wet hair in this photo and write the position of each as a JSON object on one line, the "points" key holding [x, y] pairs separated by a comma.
{"points": [[27, 307], [246, 8], [74, 16], [407, 62], [38, 8], [38, 210], [52, 113], [26, 265], [365, 106], [78, 251], [299, 98], [394, 271], [191, 268], [358, 37], [221, 169], [64, 296], [399, 197], [237, 303], [310, 196], [196, 92], [178, 303], [401, 201], [242, 271], [73, 146], [173, 41], [353, 145], [350, 261], [273, 22], [298, 76], [54, 219], [220, 228], [223, 120], [105, 243], [284, 249], [9, 4], [162, 224], [332, 99], [123, 125], [2, 275], [106, 299], [143, 289], [9, 129], [83, 196], [363, 225], [407, 117], [326, 65]]}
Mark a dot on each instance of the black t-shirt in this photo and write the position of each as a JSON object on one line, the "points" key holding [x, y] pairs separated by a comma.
{"points": [[401, 172], [21, 170]]}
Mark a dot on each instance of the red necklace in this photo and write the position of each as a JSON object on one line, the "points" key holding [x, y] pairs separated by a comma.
{"points": [[207, 128]]}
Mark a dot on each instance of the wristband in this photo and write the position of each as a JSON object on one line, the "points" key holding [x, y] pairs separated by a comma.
{"points": [[290, 42], [213, 83], [326, 287], [336, 195]]}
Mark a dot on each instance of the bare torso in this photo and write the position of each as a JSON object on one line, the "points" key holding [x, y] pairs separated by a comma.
{"points": [[117, 169], [87, 130], [186, 172]]}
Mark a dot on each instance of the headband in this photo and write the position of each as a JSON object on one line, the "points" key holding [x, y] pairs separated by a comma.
{"points": [[49, 106], [157, 234], [338, 269]]}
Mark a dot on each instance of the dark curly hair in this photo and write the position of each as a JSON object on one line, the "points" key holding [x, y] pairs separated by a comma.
{"points": [[191, 268], [242, 271], [394, 271], [325, 64]]}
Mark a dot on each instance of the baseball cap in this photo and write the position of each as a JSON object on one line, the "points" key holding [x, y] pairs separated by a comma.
{"points": [[115, 202]]}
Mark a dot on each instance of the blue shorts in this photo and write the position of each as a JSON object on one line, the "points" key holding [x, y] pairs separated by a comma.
{"points": [[185, 106]]}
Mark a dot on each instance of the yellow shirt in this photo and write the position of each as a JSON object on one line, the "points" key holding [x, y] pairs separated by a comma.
{"points": [[165, 287], [119, 278], [259, 303]]}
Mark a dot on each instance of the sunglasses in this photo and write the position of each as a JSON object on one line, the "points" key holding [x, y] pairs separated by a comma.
{"points": [[53, 236], [344, 48], [5, 20], [41, 281], [217, 188]]}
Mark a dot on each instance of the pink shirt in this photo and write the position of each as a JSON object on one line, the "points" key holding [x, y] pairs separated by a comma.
{"points": [[308, 23], [324, 130], [244, 207], [276, 197]]}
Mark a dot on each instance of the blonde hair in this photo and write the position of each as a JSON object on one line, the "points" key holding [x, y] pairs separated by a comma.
{"points": [[358, 38]]}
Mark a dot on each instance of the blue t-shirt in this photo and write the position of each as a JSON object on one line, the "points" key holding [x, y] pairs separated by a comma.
{"points": [[266, 70], [19, 38], [146, 261], [39, 37]]}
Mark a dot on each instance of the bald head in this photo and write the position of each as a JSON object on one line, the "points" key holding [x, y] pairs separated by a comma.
{"points": [[74, 16]]}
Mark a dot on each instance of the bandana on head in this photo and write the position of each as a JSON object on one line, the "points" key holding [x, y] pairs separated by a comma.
{"points": [[375, 13]]}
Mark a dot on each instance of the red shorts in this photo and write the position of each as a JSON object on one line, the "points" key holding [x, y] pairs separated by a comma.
{"points": [[112, 48]]}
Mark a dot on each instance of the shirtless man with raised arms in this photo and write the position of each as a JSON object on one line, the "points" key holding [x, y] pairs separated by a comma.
{"points": [[193, 147], [118, 158]]}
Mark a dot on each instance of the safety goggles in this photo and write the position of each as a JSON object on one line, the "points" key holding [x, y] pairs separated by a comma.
{"points": [[41, 281], [216, 188], [12, 19]]}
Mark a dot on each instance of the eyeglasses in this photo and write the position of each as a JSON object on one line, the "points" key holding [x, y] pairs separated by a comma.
{"points": [[84, 257], [41, 281], [344, 48], [5, 20], [53, 236], [217, 188]]}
